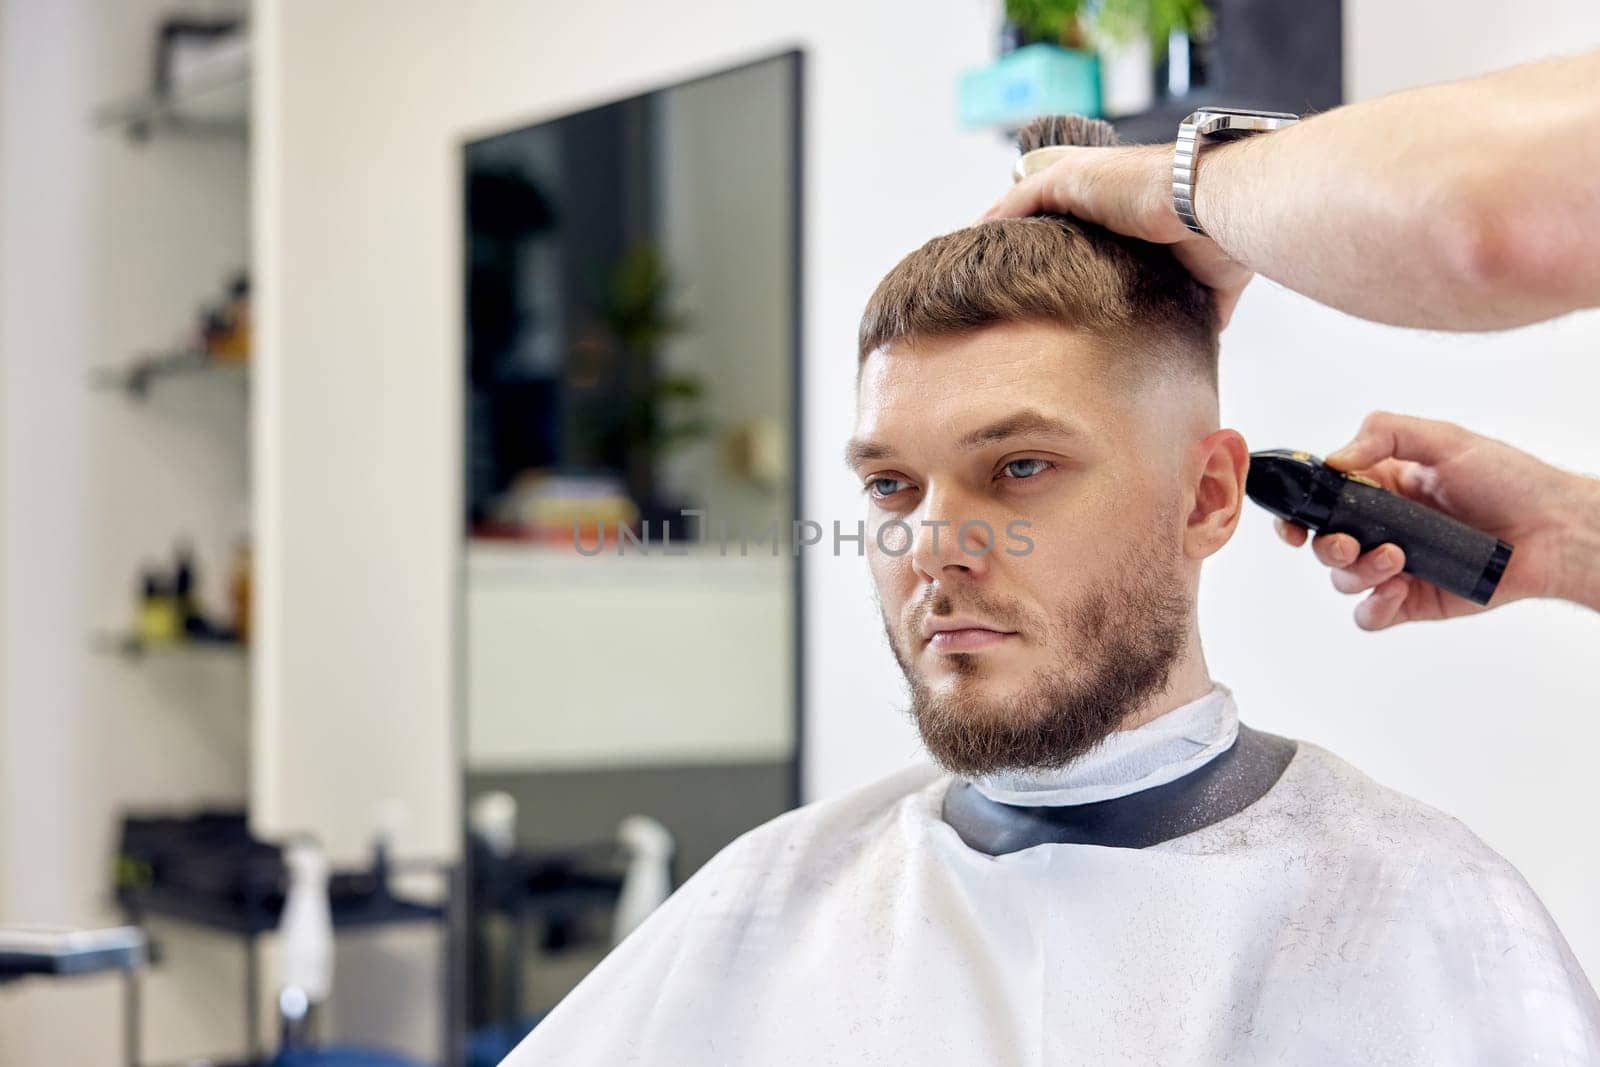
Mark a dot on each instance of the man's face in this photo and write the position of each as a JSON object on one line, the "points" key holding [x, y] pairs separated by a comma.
{"points": [[1029, 653]]}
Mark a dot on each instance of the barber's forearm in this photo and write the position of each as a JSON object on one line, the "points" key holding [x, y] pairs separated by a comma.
{"points": [[1460, 206], [1579, 576]]}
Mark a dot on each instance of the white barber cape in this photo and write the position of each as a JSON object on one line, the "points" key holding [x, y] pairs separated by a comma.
{"points": [[1332, 921]]}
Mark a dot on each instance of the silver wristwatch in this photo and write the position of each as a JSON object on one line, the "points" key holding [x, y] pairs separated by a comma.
{"points": [[1201, 128]]}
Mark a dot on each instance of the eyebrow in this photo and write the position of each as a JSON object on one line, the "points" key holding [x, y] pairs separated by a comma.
{"points": [[1026, 422]]}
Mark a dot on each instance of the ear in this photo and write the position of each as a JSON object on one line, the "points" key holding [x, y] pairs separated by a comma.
{"points": [[1217, 467]]}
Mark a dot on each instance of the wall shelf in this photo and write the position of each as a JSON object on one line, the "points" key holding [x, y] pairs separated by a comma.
{"points": [[1264, 54], [137, 376], [219, 109], [132, 647]]}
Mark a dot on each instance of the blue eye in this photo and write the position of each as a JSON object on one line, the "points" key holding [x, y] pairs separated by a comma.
{"points": [[868, 488], [1042, 465]]}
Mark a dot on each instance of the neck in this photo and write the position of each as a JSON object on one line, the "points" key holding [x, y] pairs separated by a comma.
{"points": [[1188, 681]]}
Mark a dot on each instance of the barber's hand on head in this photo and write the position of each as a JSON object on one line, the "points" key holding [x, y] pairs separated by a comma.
{"points": [[1128, 190], [1482, 482]]}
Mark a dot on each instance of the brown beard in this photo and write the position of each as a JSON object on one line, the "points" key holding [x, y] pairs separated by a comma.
{"points": [[1123, 640]]}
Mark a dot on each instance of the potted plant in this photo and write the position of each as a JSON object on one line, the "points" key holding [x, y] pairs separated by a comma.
{"points": [[1074, 24], [655, 413], [1127, 37]]}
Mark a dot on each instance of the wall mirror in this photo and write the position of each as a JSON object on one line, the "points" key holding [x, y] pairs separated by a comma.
{"points": [[631, 360]]}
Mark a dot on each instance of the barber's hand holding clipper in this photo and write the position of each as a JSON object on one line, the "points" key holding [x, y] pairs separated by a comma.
{"points": [[1551, 516]]}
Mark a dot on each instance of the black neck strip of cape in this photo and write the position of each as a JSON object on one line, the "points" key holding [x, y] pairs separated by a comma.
{"points": [[1223, 786]]}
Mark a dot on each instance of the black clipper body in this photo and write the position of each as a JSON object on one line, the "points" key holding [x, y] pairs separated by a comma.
{"points": [[1440, 550]]}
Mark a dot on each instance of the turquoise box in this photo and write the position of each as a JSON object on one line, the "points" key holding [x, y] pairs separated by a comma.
{"points": [[1036, 79]]}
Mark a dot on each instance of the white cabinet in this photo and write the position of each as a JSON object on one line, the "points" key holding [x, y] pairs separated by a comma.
{"points": [[627, 660]]}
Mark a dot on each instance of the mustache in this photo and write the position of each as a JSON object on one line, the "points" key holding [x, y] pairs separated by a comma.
{"points": [[943, 604]]}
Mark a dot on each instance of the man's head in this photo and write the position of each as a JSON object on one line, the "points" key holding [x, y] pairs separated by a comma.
{"points": [[1053, 388]]}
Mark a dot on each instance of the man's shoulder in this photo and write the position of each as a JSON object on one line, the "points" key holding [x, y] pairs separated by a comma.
{"points": [[805, 848], [852, 816], [1430, 891], [1338, 822], [1338, 802], [737, 909], [1324, 805]]}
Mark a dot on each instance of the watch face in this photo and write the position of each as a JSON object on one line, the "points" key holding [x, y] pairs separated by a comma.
{"points": [[1239, 121]]}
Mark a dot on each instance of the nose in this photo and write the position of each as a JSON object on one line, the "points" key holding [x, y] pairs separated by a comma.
{"points": [[950, 537]]}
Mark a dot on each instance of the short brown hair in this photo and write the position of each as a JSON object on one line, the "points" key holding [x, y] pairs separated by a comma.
{"points": [[1056, 269]]}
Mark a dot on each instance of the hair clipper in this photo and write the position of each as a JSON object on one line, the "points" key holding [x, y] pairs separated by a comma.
{"points": [[1440, 550]]}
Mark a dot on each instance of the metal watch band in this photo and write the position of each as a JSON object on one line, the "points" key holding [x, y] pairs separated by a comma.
{"points": [[1183, 158], [1193, 134]]}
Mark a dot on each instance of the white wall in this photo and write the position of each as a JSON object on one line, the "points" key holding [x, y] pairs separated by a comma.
{"points": [[365, 105], [44, 193], [47, 194], [109, 248]]}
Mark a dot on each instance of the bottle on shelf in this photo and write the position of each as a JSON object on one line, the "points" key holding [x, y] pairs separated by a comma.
{"points": [[239, 591], [160, 622], [227, 328], [183, 583]]}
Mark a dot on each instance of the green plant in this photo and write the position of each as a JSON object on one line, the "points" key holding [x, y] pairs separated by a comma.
{"points": [[634, 300], [634, 305], [1115, 21]]}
